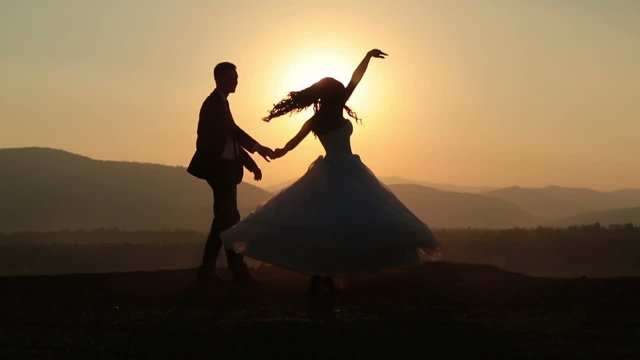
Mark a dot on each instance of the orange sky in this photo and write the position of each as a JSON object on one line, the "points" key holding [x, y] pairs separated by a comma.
{"points": [[497, 93]]}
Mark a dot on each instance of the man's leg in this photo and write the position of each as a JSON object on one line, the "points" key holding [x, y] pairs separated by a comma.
{"points": [[221, 216], [225, 215], [235, 261]]}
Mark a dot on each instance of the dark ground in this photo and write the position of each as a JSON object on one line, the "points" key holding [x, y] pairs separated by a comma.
{"points": [[438, 311]]}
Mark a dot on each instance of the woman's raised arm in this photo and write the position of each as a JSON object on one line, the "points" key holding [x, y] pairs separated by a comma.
{"points": [[360, 70]]}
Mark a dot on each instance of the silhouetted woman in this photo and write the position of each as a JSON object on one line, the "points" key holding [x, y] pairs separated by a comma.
{"points": [[337, 220]]}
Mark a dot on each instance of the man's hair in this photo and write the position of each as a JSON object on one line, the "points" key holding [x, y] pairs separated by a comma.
{"points": [[222, 68]]}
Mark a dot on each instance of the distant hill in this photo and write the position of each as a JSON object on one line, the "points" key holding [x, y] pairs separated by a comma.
{"points": [[48, 189], [554, 202], [538, 203], [391, 180], [451, 209], [440, 186], [596, 200], [279, 186], [604, 217]]}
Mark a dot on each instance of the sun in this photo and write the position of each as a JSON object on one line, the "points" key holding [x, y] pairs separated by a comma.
{"points": [[306, 69], [304, 66]]}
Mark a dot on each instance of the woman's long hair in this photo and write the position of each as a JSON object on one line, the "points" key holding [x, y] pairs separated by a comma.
{"points": [[324, 93]]}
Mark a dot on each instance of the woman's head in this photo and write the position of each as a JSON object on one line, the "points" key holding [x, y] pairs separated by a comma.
{"points": [[330, 91], [325, 94]]}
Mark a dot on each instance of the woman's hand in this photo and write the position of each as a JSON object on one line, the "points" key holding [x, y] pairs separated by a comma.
{"points": [[377, 54], [278, 153]]}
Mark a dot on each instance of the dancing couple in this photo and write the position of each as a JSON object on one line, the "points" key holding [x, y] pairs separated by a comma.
{"points": [[337, 220]]}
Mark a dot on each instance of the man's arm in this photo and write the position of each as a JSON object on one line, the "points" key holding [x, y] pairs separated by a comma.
{"points": [[224, 123], [242, 138], [250, 144], [251, 165]]}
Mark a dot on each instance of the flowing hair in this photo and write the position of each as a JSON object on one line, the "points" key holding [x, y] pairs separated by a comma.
{"points": [[324, 92]]}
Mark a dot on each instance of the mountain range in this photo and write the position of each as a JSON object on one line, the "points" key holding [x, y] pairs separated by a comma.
{"points": [[47, 189], [50, 189], [393, 180], [555, 205]]}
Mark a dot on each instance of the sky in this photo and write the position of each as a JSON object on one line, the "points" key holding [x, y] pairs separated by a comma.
{"points": [[487, 93]]}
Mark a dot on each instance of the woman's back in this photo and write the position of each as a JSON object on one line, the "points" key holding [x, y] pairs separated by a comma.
{"points": [[338, 140]]}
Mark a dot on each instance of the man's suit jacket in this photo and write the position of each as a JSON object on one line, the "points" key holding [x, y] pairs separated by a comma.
{"points": [[215, 126]]}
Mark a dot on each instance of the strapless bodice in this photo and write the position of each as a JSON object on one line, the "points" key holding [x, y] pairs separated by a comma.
{"points": [[338, 141]]}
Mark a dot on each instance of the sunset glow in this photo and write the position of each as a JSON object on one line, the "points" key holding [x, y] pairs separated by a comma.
{"points": [[305, 69], [529, 93]]}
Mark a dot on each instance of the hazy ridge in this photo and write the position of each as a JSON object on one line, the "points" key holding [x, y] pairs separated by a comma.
{"points": [[49, 189], [46, 189], [449, 209], [604, 217]]}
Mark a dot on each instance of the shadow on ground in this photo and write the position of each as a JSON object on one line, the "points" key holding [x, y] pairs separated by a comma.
{"points": [[438, 310]]}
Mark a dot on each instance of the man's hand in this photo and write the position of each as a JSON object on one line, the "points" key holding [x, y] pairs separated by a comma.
{"points": [[257, 174], [265, 152]]}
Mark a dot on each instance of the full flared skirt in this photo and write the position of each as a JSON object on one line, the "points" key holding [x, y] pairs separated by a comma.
{"points": [[337, 220]]}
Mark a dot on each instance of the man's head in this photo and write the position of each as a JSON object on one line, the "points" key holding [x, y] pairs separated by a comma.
{"points": [[226, 77]]}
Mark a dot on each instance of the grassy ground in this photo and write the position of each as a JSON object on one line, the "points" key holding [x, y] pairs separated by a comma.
{"points": [[439, 310]]}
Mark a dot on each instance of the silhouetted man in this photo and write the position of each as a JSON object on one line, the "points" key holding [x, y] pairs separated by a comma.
{"points": [[219, 159]]}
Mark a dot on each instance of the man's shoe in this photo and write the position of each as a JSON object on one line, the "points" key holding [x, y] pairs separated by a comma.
{"points": [[245, 280], [207, 277]]}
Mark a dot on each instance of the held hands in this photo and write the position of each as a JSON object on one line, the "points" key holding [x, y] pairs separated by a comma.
{"points": [[265, 152], [268, 155], [377, 54], [278, 153]]}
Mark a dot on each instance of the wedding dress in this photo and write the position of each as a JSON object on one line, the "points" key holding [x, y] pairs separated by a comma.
{"points": [[337, 220]]}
